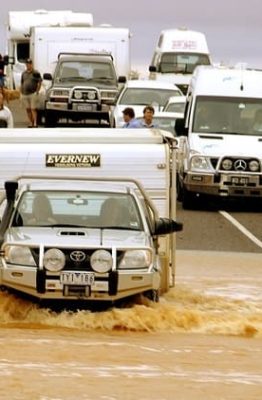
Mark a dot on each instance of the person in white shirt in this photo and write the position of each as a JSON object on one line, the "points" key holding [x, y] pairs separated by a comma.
{"points": [[6, 117], [148, 118]]}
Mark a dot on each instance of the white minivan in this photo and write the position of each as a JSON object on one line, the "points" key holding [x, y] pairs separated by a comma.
{"points": [[176, 55]]}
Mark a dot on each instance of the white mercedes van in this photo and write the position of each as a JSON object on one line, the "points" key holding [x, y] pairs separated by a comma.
{"points": [[220, 150]]}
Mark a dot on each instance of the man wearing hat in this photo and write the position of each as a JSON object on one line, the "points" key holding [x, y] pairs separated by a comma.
{"points": [[30, 86]]}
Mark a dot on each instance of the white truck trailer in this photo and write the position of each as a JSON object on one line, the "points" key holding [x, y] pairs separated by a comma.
{"points": [[148, 156], [47, 42]]}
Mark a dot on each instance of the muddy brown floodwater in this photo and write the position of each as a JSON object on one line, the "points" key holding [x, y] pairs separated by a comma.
{"points": [[202, 341]]}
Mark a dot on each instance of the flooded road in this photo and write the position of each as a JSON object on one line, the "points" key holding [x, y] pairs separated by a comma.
{"points": [[203, 340]]}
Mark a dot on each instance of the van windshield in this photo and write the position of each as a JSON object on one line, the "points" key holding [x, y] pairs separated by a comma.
{"points": [[183, 63], [234, 115]]}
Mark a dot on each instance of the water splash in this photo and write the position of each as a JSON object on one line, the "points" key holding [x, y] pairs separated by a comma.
{"points": [[181, 310]]}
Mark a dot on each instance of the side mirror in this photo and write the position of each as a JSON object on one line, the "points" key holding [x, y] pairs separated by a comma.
{"points": [[47, 76], [10, 190], [180, 128], [164, 226], [122, 79], [6, 60], [152, 68]]}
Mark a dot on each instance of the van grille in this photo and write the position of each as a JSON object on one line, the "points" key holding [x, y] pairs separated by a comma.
{"points": [[243, 164]]}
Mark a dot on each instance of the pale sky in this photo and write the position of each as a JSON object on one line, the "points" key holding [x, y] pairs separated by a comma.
{"points": [[233, 28]]}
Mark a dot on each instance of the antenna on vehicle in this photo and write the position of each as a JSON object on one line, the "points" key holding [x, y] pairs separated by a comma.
{"points": [[241, 84], [242, 67]]}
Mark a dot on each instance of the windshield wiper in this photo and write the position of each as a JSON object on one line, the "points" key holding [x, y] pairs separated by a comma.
{"points": [[74, 78], [66, 225], [224, 131], [104, 79], [125, 228]]}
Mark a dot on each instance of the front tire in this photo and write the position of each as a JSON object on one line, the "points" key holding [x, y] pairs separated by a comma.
{"points": [[50, 120], [189, 200]]}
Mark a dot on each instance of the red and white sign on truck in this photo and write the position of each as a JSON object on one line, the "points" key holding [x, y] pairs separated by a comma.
{"points": [[176, 55]]}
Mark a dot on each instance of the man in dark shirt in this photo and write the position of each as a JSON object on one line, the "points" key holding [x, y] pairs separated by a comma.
{"points": [[30, 86]]}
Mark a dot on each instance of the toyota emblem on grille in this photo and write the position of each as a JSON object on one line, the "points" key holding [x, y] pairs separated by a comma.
{"points": [[240, 165], [77, 256]]}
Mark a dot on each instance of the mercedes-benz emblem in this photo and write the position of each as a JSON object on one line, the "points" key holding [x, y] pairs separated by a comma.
{"points": [[77, 256], [240, 165]]}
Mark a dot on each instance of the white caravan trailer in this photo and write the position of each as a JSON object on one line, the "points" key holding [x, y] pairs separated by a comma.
{"points": [[47, 42], [18, 35], [142, 154], [176, 55]]}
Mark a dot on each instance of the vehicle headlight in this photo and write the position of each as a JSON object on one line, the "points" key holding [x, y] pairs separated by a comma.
{"points": [[108, 95], [227, 164], [19, 255], [54, 260], [253, 165], [91, 95], [136, 259], [78, 94], [200, 163], [101, 261], [59, 92]]}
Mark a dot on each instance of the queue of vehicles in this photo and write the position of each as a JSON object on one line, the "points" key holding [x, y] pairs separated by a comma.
{"points": [[44, 35], [208, 147]]}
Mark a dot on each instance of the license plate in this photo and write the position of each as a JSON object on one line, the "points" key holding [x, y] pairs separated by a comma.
{"points": [[239, 180], [84, 107], [77, 278]]}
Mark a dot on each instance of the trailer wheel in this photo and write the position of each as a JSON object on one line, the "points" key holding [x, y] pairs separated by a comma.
{"points": [[152, 295]]}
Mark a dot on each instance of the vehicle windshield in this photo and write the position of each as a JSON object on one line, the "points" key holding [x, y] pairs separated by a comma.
{"points": [[175, 107], [78, 209], [144, 96], [183, 63], [85, 71], [228, 115]]}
